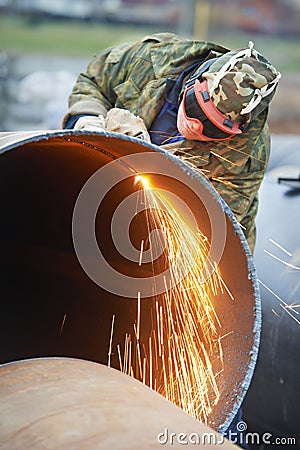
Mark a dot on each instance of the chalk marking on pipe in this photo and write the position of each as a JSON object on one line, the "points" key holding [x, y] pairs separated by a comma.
{"points": [[105, 152]]}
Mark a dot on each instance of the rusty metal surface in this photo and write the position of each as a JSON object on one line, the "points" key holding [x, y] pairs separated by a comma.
{"points": [[64, 403], [42, 175]]}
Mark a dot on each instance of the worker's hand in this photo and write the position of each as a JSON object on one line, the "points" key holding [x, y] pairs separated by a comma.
{"points": [[124, 122], [90, 123]]}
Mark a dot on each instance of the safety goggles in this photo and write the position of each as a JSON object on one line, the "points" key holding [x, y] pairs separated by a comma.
{"points": [[200, 109]]}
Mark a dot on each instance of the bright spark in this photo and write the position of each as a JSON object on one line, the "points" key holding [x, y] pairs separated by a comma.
{"points": [[282, 261], [265, 163], [182, 356], [138, 316], [141, 252], [273, 293], [276, 313], [285, 306], [222, 157], [280, 246], [62, 324], [143, 180], [226, 182], [289, 313], [111, 339]]}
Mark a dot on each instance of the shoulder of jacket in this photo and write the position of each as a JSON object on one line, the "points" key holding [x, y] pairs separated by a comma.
{"points": [[162, 37], [113, 54], [172, 38]]}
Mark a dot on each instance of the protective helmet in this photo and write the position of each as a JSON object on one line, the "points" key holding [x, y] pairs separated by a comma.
{"points": [[224, 94]]}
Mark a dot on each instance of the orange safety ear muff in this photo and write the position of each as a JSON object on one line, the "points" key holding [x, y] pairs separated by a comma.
{"points": [[198, 108]]}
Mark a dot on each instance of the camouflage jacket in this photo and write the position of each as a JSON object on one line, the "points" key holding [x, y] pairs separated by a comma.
{"points": [[133, 76]]}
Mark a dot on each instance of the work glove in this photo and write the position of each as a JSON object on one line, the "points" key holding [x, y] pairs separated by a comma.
{"points": [[90, 123], [124, 122]]}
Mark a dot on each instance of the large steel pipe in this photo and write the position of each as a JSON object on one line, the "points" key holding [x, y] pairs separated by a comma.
{"points": [[52, 307], [63, 403], [275, 386]]}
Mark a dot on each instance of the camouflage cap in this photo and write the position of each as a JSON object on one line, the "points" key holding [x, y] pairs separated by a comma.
{"points": [[241, 83]]}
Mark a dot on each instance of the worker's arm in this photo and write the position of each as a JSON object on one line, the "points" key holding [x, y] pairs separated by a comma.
{"points": [[133, 76]]}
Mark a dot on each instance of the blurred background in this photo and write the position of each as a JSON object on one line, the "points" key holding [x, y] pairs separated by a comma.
{"points": [[44, 45]]}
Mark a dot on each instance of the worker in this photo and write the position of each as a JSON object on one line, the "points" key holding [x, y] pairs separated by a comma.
{"points": [[206, 104]]}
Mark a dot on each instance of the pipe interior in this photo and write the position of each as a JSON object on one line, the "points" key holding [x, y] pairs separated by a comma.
{"points": [[44, 283]]}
